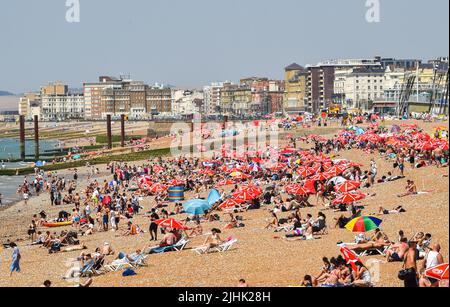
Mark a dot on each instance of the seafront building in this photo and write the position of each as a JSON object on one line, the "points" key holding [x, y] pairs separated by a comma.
{"points": [[354, 85]]}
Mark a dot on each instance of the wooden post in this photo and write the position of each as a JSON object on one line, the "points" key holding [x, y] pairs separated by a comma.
{"points": [[109, 131], [122, 130], [36, 137], [22, 136]]}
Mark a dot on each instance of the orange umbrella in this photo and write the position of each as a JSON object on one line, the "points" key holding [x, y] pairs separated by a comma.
{"points": [[439, 272]]}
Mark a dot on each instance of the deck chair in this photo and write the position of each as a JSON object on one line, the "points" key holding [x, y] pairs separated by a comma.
{"points": [[181, 245], [381, 251], [285, 227], [114, 267], [140, 261], [221, 248]]}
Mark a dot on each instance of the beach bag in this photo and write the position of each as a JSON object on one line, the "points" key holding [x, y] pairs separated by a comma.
{"points": [[405, 274], [128, 272]]}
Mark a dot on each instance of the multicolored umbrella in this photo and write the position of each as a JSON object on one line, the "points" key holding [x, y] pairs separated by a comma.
{"points": [[363, 224], [439, 272]]}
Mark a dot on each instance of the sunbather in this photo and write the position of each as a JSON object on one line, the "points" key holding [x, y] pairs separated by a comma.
{"points": [[396, 252], [212, 240], [396, 210]]}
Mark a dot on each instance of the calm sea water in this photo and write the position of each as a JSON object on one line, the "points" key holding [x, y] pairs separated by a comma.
{"points": [[10, 148]]}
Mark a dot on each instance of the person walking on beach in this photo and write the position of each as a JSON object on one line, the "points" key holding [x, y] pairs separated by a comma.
{"points": [[15, 264], [410, 266]]}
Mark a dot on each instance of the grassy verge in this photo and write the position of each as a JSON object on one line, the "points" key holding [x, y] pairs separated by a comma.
{"points": [[129, 157]]}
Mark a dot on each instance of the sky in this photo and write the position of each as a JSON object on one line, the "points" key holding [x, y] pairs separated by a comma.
{"points": [[191, 43]]}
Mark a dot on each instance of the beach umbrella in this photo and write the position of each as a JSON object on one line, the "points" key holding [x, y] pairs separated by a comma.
{"points": [[309, 185], [157, 188], [363, 224], [350, 257], [208, 172], [229, 203], [157, 169], [171, 223], [196, 206], [176, 182], [347, 186], [277, 166], [305, 171], [425, 146], [439, 272], [226, 182], [240, 175], [252, 189], [296, 189], [244, 196], [336, 170], [348, 198], [320, 177]]}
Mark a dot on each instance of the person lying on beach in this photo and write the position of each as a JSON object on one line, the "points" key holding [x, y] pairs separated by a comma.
{"points": [[397, 210], [397, 252], [197, 230], [234, 222]]}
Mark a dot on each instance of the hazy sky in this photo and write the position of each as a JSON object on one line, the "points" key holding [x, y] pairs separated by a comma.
{"points": [[194, 42]]}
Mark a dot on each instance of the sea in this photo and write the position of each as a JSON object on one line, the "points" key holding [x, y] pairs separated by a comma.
{"points": [[10, 149]]}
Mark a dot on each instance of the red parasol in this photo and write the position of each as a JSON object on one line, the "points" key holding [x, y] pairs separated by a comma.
{"points": [[171, 223], [157, 188], [347, 186], [439, 272], [350, 257], [229, 203], [296, 189], [349, 198]]}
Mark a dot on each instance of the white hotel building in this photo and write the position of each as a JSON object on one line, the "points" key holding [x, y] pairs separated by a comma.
{"points": [[62, 107]]}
